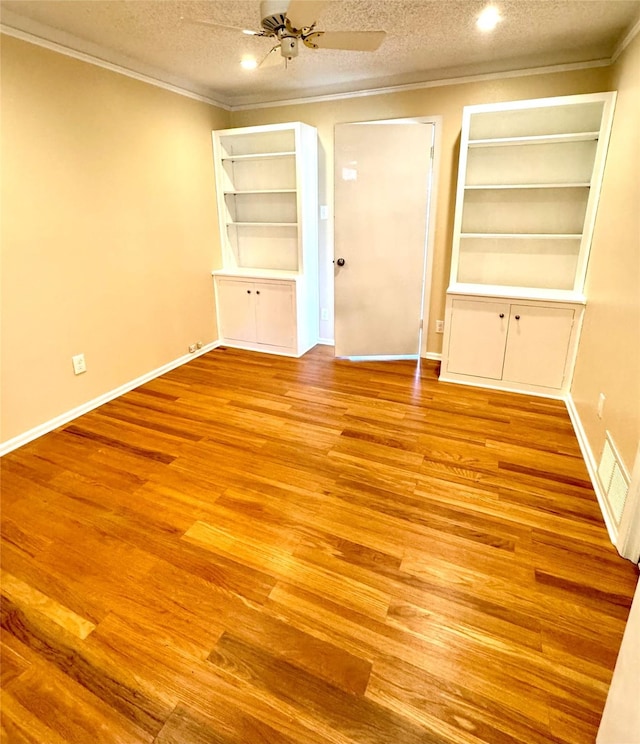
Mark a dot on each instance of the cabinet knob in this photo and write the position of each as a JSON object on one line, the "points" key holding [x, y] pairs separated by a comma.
{"points": [[248, 291], [517, 317], [502, 315], [340, 262], [257, 291]]}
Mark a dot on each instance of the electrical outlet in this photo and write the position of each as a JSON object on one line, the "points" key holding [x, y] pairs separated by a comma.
{"points": [[601, 400], [324, 314], [439, 326], [192, 348], [79, 364]]}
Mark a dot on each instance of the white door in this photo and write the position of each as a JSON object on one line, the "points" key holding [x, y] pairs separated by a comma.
{"points": [[382, 186]]}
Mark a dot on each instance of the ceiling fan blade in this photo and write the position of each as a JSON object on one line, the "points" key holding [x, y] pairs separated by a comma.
{"points": [[357, 41], [272, 58], [304, 13], [210, 24]]}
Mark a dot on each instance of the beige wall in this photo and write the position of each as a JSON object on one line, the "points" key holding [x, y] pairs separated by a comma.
{"points": [[446, 101], [109, 230], [609, 354]]}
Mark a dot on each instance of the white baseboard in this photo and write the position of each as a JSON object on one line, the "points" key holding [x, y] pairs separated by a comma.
{"points": [[64, 418], [592, 468], [326, 342], [433, 356]]}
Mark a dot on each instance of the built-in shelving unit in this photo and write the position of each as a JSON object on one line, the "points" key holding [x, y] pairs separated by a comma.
{"points": [[266, 179], [528, 186]]}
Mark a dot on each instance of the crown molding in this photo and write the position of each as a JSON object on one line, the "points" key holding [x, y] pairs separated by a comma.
{"points": [[567, 67], [329, 97], [628, 38], [90, 59]]}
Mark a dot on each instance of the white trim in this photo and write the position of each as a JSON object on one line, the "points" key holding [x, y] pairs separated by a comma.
{"points": [[90, 59], [326, 342], [432, 355], [430, 237], [592, 466], [569, 67], [65, 418], [626, 41], [455, 378]]}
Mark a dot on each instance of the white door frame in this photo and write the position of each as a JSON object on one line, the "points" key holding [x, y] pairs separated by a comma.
{"points": [[431, 231], [431, 214]]}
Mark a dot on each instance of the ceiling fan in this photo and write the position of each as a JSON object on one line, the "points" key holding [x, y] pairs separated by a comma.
{"points": [[292, 21]]}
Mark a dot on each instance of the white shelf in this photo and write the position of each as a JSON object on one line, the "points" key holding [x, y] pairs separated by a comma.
{"points": [[262, 224], [517, 293], [240, 192], [524, 236], [534, 140], [258, 156], [505, 186], [274, 274]]}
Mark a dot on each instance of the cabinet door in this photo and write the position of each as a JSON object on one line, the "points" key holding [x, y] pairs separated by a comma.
{"points": [[537, 345], [477, 338], [236, 304], [275, 314]]}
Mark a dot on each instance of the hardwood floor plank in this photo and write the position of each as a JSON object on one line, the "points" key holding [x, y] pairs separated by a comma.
{"points": [[18, 725], [180, 680], [25, 595], [117, 687], [71, 711], [253, 548], [12, 663], [355, 717], [364, 636], [458, 714], [222, 726], [283, 564]]}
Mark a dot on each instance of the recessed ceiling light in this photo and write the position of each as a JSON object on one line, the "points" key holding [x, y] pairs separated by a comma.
{"points": [[488, 19], [248, 63]]}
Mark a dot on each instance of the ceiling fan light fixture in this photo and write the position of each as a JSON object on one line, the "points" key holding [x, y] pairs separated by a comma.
{"points": [[248, 63], [288, 46], [489, 18]]}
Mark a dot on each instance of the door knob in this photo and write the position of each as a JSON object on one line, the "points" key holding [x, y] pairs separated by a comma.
{"points": [[340, 262]]}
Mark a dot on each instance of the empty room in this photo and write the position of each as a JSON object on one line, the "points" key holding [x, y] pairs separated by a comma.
{"points": [[320, 383]]}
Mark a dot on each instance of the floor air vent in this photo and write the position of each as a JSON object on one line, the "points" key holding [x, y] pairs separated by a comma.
{"points": [[613, 479]]}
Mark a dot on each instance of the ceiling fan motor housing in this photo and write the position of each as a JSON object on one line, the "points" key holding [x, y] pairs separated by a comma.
{"points": [[274, 15]]}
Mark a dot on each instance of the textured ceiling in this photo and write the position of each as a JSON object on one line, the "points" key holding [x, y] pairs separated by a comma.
{"points": [[426, 40]]}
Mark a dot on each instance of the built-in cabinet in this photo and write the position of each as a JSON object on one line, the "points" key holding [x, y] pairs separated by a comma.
{"points": [[258, 312], [515, 343], [528, 186], [267, 190]]}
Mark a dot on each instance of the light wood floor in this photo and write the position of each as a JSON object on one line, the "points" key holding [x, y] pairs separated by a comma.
{"points": [[257, 549]]}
